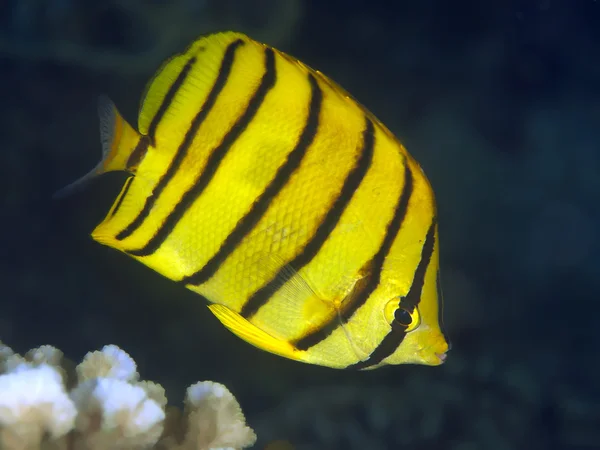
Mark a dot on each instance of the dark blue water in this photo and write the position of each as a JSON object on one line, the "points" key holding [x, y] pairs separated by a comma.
{"points": [[500, 103]]}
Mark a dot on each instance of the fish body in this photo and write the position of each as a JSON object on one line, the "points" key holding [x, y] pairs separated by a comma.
{"points": [[261, 185]]}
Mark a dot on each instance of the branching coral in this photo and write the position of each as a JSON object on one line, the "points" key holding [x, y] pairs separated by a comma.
{"points": [[101, 404]]}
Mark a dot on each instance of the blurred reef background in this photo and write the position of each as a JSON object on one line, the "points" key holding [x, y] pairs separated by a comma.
{"points": [[500, 103]]}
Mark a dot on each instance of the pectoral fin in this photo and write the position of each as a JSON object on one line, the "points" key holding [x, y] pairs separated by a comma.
{"points": [[254, 335]]}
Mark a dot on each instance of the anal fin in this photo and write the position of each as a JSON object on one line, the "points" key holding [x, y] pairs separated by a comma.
{"points": [[254, 335]]}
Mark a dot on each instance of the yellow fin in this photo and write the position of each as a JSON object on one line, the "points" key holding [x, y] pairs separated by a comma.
{"points": [[299, 301], [119, 142], [252, 334]]}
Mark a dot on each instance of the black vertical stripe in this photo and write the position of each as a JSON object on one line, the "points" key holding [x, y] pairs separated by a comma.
{"points": [[396, 335], [440, 295], [122, 196], [168, 99], [375, 266], [413, 297], [386, 347], [327, 225], [214, 160], [138, 153], [181, 153], [260, 206]]}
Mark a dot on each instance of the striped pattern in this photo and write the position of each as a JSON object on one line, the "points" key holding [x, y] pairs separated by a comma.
{"points": [[268, 189], [180, 80], [372, 279], [397, 333], [324, 229], [246, 223], [216, 156], [153, 243]]}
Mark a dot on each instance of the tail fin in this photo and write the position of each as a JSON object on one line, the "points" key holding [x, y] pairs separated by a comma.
{"points": [[121, 146]]}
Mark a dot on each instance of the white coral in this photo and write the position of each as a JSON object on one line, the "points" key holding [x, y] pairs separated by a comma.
{"points": [[33, 401], [110, 362], [45, 354], [112, 410], [215, 418], [109, 407]]}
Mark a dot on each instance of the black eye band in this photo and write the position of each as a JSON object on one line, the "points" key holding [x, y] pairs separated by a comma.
{"points": [[394, 338]]}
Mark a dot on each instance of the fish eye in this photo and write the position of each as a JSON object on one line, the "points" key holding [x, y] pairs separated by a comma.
{"points": [[402, 316], [407, 318], [395, 313]]}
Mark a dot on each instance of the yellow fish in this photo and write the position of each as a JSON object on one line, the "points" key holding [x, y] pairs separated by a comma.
{"points": [[262, 185]]}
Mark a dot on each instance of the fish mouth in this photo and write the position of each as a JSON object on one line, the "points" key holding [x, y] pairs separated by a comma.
{"points": [[433, 358], [442, 357]]}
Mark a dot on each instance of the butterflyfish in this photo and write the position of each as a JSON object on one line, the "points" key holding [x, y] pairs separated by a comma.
{"points": [[260, 184]]}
